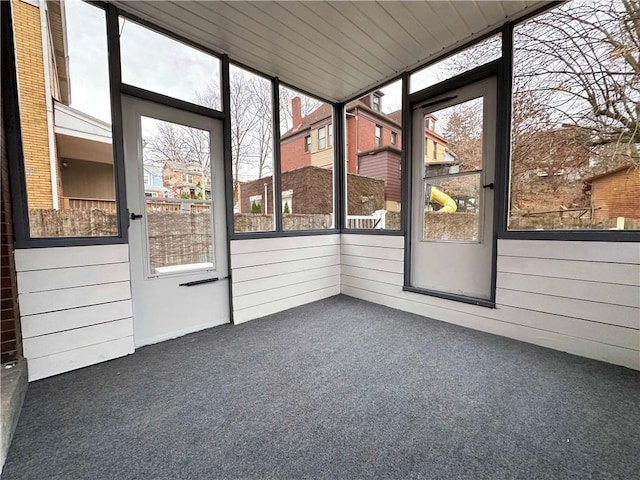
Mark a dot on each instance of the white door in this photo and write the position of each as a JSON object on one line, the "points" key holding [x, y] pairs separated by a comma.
{"points": [[453, 196], [177, 229]]}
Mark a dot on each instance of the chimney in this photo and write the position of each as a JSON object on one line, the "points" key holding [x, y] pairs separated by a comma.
{"points": [[296, 111]]}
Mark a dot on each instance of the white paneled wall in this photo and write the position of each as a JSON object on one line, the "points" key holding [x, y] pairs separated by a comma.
{"points": [[274, 274], [578, 297], [75, 305]]}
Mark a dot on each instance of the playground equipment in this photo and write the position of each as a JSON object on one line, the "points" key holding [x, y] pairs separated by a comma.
{"points": [[438, 196]]}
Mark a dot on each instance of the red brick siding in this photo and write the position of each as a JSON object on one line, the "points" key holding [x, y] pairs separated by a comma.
{"points": [[292, 153], [616, 195], [10, 335], [352, 147]]}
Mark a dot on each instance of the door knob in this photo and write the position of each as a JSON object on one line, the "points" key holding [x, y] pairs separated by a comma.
{"points": [[489, 185], [135, 216]]}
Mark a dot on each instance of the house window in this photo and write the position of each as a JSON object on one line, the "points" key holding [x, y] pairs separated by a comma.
{"points": [[147, 179], [322, 138], [375, 104], [187, 178], [307, 143], [394, 139], [378, 136], [435, 150], [330, 128]]}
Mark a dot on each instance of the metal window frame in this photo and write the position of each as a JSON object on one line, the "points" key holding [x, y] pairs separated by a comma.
{"points": [[117, 89]]}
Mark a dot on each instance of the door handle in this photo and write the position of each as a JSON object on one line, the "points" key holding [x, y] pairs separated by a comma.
{"points": [[489, 186], [135, 216]]}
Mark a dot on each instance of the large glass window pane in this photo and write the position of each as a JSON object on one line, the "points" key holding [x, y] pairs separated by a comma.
{"points": [[452, 208], [252, 151], [453, 152], [179, 223], [373, 152], [575, 136], [307, 169], [65, 113], [468, 59], [161, 64]]}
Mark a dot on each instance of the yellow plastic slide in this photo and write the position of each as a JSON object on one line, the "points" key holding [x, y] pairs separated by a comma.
{"points": [[438, 196]]}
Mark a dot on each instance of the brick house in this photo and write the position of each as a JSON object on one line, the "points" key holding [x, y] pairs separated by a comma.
{"points": [[309, 190], [615, 193], [373, 143]]}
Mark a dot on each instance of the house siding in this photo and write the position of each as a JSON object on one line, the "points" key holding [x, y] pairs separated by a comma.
{"points": [[616, 195], [84, 179], [293, 154], [33, 105], [383, 165], [275, 274], [76, 306], [578, 297]]}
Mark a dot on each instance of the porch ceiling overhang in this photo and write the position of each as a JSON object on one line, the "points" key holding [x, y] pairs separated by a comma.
{"points": [[335, 50]]}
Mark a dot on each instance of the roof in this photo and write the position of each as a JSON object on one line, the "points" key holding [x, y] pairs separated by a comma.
{"points": [[611, 172], [325, 111], [181, 167]]}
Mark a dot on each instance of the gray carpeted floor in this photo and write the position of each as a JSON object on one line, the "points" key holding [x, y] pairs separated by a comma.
{"points": [[335, 389]]}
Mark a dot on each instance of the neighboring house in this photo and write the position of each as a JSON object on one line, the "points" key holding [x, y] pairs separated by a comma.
{"points": [[185, 180], [373, 142], [153, 186], [309, 190], [615, 193], [67, 153]]}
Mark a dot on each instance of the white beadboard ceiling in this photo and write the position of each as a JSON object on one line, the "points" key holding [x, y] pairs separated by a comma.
{"points": [[335, 50]]}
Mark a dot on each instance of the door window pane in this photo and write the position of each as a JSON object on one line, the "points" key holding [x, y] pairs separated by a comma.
{"points": [[452, 208], [178, 216], [68, 156], [453, 139], [161, 64]]}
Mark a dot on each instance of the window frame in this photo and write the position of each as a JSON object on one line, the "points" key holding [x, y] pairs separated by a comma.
{"points": [[322, 141], [117, 88], [378, 138]]}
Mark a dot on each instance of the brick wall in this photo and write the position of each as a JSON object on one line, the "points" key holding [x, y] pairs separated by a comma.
{"points": [[292, 153], [10, 337], [33, 112], [313, 192]]}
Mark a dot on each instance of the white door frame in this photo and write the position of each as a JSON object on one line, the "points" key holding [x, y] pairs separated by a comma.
{"points": [[153, 323], [444, 97]]}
